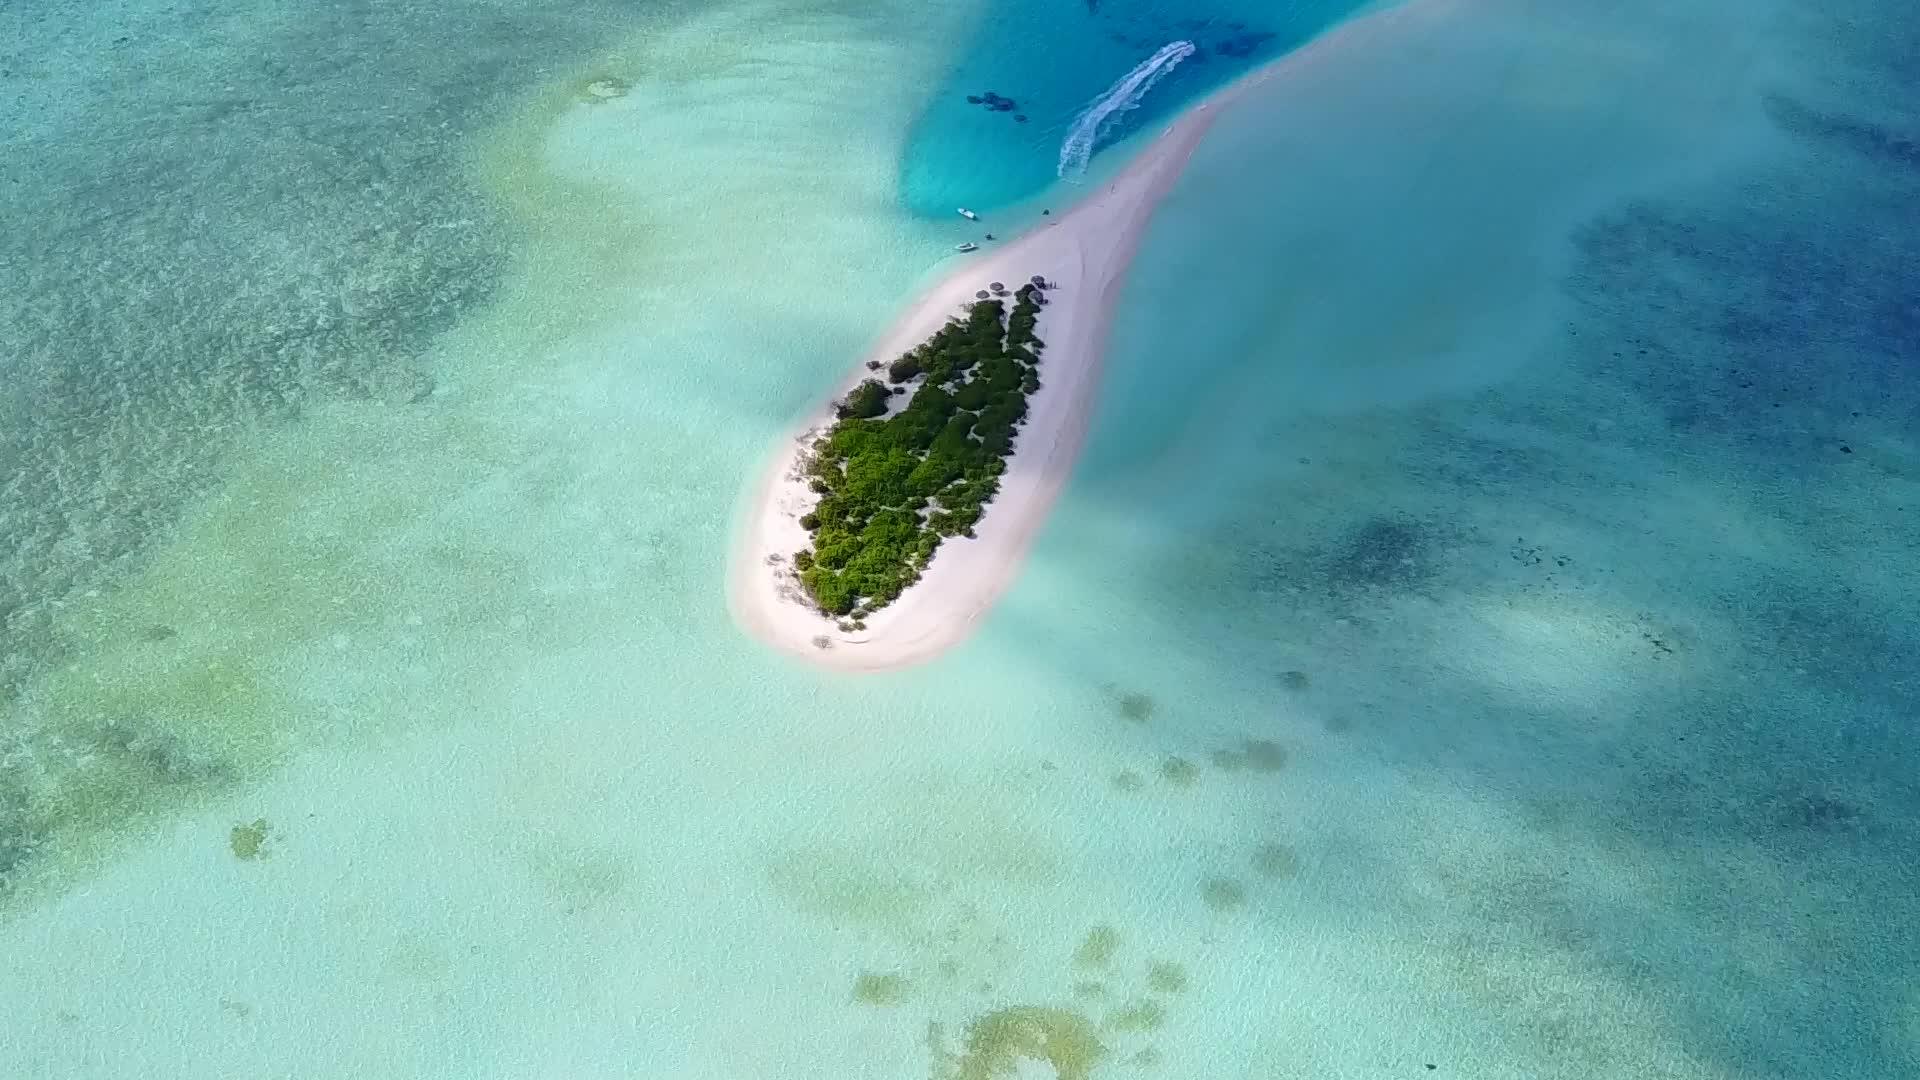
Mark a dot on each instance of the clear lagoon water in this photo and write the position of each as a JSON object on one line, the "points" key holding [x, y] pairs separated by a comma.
{"points": [[1052, 62], [381, 385]]}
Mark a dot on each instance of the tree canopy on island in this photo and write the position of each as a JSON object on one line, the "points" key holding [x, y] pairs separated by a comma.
{"points": [[893, 487]]}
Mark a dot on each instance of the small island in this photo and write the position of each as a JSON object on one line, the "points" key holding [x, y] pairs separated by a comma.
{"points": [[893, 484], [917, 451]]}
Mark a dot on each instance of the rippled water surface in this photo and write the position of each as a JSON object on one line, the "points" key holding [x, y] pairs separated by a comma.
{"points": [[1452, 656], [1051, 62]]}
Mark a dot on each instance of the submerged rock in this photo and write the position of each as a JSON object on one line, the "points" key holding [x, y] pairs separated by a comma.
{"points": [[249, 841]]}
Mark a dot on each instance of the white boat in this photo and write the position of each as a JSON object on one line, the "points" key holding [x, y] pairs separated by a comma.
{"points": [[968, 246], [968, 214]]}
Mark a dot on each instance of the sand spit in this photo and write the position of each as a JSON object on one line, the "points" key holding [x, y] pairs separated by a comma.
{"points": [[1083, 254], [1404, 120]]}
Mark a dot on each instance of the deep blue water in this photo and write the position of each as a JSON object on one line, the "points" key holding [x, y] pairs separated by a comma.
{"points": [[1053, 60]]}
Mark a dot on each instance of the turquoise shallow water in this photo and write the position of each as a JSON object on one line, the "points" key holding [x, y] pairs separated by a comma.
{"points": [[1439, 658], [1054, 61]]}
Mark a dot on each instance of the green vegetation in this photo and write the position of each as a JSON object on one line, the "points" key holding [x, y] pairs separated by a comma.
{"points": [[868, 400], [893, 487]]}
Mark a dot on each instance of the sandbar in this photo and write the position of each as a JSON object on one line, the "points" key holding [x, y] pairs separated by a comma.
{"points": [[1083, 254], [1445, 149]]}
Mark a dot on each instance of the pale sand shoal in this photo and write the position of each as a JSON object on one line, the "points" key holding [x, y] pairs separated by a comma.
{"points": [[1435, 157], [1083, 254]]}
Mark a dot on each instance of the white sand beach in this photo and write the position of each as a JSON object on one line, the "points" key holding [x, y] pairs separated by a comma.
{"points": [[1083, 254], [1362, 221]]}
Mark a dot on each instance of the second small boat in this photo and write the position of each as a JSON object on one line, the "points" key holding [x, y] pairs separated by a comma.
{"points": [[968, 214]]}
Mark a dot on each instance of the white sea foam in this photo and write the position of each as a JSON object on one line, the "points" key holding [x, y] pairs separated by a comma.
{"points": [[1122, 97]]}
